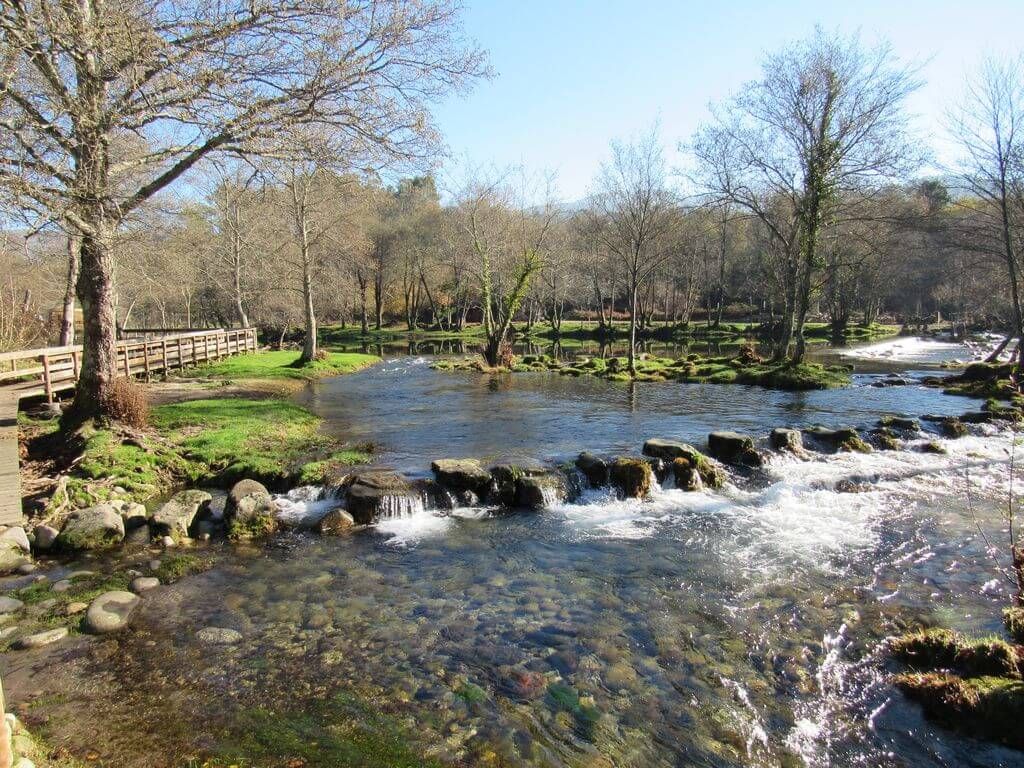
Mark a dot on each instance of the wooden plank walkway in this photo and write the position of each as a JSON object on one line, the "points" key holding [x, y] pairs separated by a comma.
{"points": [[51, 370], [10, 477]]}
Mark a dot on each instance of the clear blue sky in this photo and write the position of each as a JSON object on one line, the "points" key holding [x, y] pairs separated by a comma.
{"points": [[573, 75]]}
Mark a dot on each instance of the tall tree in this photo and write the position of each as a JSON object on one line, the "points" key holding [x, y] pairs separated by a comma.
{"points": [[104, 104], [826, 120]]}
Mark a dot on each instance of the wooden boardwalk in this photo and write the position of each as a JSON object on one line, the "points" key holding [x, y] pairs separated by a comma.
{"points": [[52, 370]]}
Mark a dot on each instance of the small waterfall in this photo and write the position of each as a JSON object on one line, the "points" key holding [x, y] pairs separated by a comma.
{"points": [[398, 506]]}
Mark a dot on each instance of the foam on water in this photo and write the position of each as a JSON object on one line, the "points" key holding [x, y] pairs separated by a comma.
{"points": [[915, 349], [406, 531]]}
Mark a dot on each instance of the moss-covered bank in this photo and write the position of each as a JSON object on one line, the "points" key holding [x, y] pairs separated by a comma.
{"points": [[973, 685], [740, 369]]}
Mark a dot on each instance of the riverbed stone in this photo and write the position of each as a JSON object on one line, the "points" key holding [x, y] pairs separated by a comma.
{"points": [[40, 639], [142, 584], [901, 423], [734, 448], [175, 517], [457, 475], [218, 636], [505, 478], [374, 495], [94, 528], [594, 468], [630, 476], [337, 522], [10, 604], [44, 537], [110, 612], [250, 511], [786, 439]]}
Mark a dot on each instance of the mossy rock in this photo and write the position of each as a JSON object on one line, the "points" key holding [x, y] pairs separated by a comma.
{"points": [[1013, 620]]}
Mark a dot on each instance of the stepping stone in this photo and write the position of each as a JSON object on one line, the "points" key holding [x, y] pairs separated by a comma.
{"points": [[40, 639]]}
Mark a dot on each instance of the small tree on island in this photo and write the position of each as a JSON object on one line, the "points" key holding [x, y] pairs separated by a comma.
{"points": [[508, 235]]}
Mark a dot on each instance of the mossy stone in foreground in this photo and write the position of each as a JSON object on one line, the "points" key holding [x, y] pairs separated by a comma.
{"points": [[945, 649], [631, 477]]}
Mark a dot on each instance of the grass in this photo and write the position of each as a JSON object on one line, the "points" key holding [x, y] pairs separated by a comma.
{"points": [[282, 365], [273, 441]]}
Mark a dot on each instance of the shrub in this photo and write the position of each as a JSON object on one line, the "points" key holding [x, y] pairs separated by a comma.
{"points": [[127, 403]]}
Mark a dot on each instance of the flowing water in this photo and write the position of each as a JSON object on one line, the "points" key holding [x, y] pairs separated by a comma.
{"points": [[729, 628]]}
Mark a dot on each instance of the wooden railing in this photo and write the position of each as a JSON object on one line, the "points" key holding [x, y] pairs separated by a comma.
{"points": [[34, 372]]}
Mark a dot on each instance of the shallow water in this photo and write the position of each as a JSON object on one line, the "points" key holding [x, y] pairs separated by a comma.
{"points": [[732, 628]]}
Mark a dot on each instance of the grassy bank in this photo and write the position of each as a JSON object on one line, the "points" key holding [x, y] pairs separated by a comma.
{"points": [[690, 369], [208, 441], [281, 365]]}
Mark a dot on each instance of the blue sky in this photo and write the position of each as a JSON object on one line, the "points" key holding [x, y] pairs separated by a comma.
{"points": [[573, 75]]}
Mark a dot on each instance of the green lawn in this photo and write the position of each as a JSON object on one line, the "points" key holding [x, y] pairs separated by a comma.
{"points": [[281, 365]]}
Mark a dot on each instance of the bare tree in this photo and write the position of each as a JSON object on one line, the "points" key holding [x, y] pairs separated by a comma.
{"points": [[105, 104], [826, 120], [989, 127], [634, 206]]}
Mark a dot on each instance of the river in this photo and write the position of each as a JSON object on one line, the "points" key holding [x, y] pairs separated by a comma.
{"points": [[739, 627]]}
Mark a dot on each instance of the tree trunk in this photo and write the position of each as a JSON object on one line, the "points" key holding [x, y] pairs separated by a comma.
{"points": [[99, 333], [67, 320], [633, 302]]}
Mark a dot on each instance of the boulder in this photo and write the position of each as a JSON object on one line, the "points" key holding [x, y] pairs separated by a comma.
{"points": [[18, 536], [175, 517], [134, 515], [110, 612], [457, 475], [631, 477], [900, 423], [12, 557], [536, 492], [504, 480], [371, 496], [594, 468], [99, 527], [785, 439], [44, 537], [734, 448], [10, 604], [335, 523], [250, 511], [686, 476], [841, 439], [670, 450]]}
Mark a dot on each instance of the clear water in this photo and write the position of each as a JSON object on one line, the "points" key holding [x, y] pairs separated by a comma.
{"points": [[733, 628]]}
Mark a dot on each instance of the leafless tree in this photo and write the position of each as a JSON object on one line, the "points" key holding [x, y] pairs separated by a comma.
{"points": [[633, 207]]}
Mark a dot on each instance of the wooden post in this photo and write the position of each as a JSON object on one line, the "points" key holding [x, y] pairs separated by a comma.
{"points": [[74, 364], [145, 359], [47, 384], [127, 363], [163, 354]]}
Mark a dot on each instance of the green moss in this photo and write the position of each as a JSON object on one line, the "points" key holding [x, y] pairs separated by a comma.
{"points": [[177, 566], [252, 527], [854, 445], [944, 649], [317, 472], [281, 365], [470, 693], [341, 732], [83, 589], [631, 476]]}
